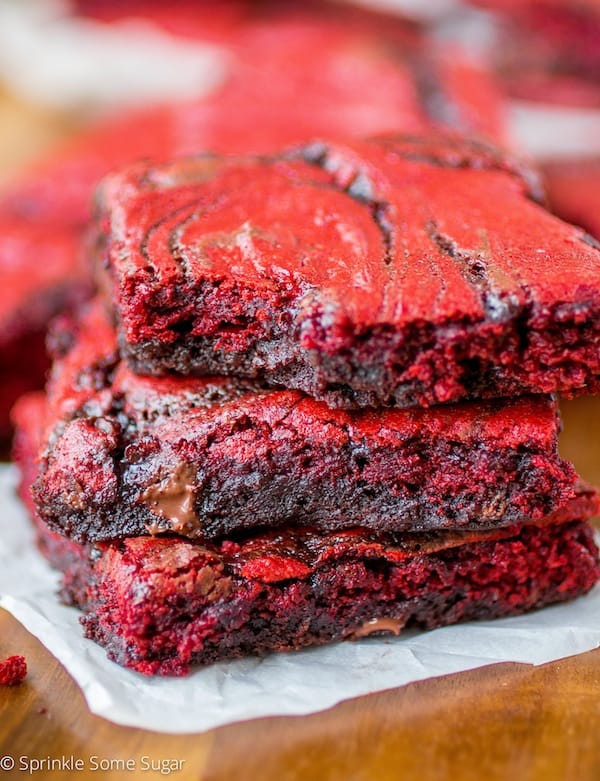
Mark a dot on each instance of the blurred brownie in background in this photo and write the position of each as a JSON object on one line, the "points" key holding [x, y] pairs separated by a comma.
{"points": [[294, 74]]}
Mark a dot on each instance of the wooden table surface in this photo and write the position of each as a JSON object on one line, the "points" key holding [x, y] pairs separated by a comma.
{"points": [[510, 722]]}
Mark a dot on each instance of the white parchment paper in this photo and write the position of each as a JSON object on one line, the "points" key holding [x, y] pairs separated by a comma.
{"points": [[76, 63], [280, 684]]}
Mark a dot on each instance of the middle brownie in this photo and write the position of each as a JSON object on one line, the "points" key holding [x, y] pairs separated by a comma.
{"points": [[126, 455]]}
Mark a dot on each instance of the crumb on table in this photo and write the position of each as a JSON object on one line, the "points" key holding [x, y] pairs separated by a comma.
{"points": [[12, 670]]}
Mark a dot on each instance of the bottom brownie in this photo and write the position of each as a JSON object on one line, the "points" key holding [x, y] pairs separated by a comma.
{"points": [[161, 604]]}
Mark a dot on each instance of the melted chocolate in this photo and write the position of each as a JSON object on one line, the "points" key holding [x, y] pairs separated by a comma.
{"points": [[377, 626], [173, 500]]}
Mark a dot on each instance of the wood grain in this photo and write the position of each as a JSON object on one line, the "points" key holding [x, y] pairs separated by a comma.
{"points": [[47, 716], [502, 722], [580, 439], [506, 722]]}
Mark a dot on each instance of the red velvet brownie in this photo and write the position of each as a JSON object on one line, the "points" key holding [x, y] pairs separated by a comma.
{"points": [[29, 298], [392, 271], [565, 33], [124, 455], [574, 191], [160, 604]]}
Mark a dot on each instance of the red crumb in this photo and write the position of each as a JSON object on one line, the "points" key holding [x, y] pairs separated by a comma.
{"points": [[12, 670]]}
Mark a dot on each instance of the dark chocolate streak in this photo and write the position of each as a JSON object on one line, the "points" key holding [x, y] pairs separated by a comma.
{"points": [[361, 190], [174, 245], [496, 305], [435, 101], [379, 210], [156, 226]]}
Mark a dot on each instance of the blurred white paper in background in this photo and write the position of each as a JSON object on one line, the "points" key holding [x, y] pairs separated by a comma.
{"points": [[74, 63], [548, 132], [417, 9], [280, 684]]}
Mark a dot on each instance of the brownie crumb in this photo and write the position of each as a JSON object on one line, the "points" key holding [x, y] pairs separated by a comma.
{"points": [[13, 671]]}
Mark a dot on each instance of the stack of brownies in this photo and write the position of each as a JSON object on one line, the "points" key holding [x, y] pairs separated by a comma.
{"points": [[310, 403]]}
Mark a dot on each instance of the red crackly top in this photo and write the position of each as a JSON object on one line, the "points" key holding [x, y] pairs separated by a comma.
{"points": [[389, 231]]}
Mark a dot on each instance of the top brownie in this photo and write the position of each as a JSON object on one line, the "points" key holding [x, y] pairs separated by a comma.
{"points": [[391, 271]]}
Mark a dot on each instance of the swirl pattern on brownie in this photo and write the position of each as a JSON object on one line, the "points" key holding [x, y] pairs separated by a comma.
{"points": [[391, 271]]}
